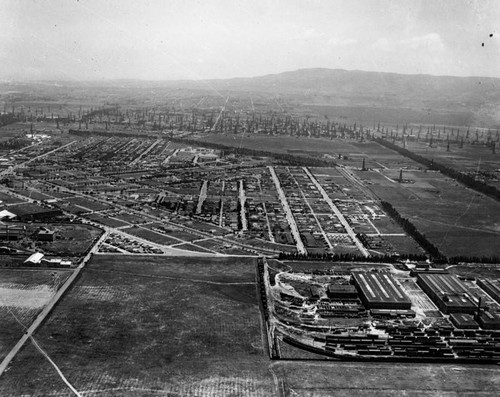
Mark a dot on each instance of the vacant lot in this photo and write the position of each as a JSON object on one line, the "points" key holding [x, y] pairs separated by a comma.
{"points": [[149, 325]]}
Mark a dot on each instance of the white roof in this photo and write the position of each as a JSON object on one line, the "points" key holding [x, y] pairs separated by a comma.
{"points": [[6, 214], [35, 258]]}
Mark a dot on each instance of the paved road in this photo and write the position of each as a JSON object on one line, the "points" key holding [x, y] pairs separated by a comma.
{"points": [[244, 225], [289, 216], [339, 215], [14, 167], [145, 152], [48, 308]]}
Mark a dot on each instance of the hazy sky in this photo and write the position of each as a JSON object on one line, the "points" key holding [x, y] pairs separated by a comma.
{"points": [[187, 39]]}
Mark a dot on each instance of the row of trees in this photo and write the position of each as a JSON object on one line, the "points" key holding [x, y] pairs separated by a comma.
{"points": [[284, 157], [466, 179], [327, 257], [410, 229], [349, 257]]}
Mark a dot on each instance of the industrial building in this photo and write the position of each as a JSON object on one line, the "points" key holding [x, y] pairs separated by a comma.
{"points": [[492, 287], [12, 232], [46, 235], [464, 321], [448, 293], [342, 291], [380, 291], [33, 212], [488, 320]]}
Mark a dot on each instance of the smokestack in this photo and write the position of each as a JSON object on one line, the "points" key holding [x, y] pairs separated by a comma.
{"points": [[364, 169], [401, 175]]}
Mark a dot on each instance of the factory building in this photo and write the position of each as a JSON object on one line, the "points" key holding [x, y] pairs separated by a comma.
{"points": [[488, 320], [380, 291], [32, 212], [339, 291], [491, 287], [463, 321], [448, 293]]}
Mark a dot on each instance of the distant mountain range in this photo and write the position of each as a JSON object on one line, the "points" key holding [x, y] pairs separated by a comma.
{"points": [[477, 99], [373, 95]]}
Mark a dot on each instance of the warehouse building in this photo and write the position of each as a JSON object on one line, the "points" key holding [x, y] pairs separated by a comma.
{"points": [[463, 321], [448, 293], [342, 291], [380, 291], [33, 212], [491, 287], [46, 235], [488, 320]]}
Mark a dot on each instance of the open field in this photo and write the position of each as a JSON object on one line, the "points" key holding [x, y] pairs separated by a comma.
{"points": [[458, 220], [23, 294], [310, 379], [153, 326], [470, 158]]}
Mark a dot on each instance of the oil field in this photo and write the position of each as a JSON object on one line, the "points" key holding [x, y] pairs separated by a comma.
{"points": [[181, 216]]}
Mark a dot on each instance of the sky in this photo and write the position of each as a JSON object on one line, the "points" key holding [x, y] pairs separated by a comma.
{"points": [[207, 39]]}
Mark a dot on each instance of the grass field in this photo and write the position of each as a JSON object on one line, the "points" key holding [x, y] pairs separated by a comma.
{"points": [[23, 294], [458, 220], [147, 326], [314, 379]]}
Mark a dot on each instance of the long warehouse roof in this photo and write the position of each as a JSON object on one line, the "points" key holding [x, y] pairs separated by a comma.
{"points": [[380, 287]]}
